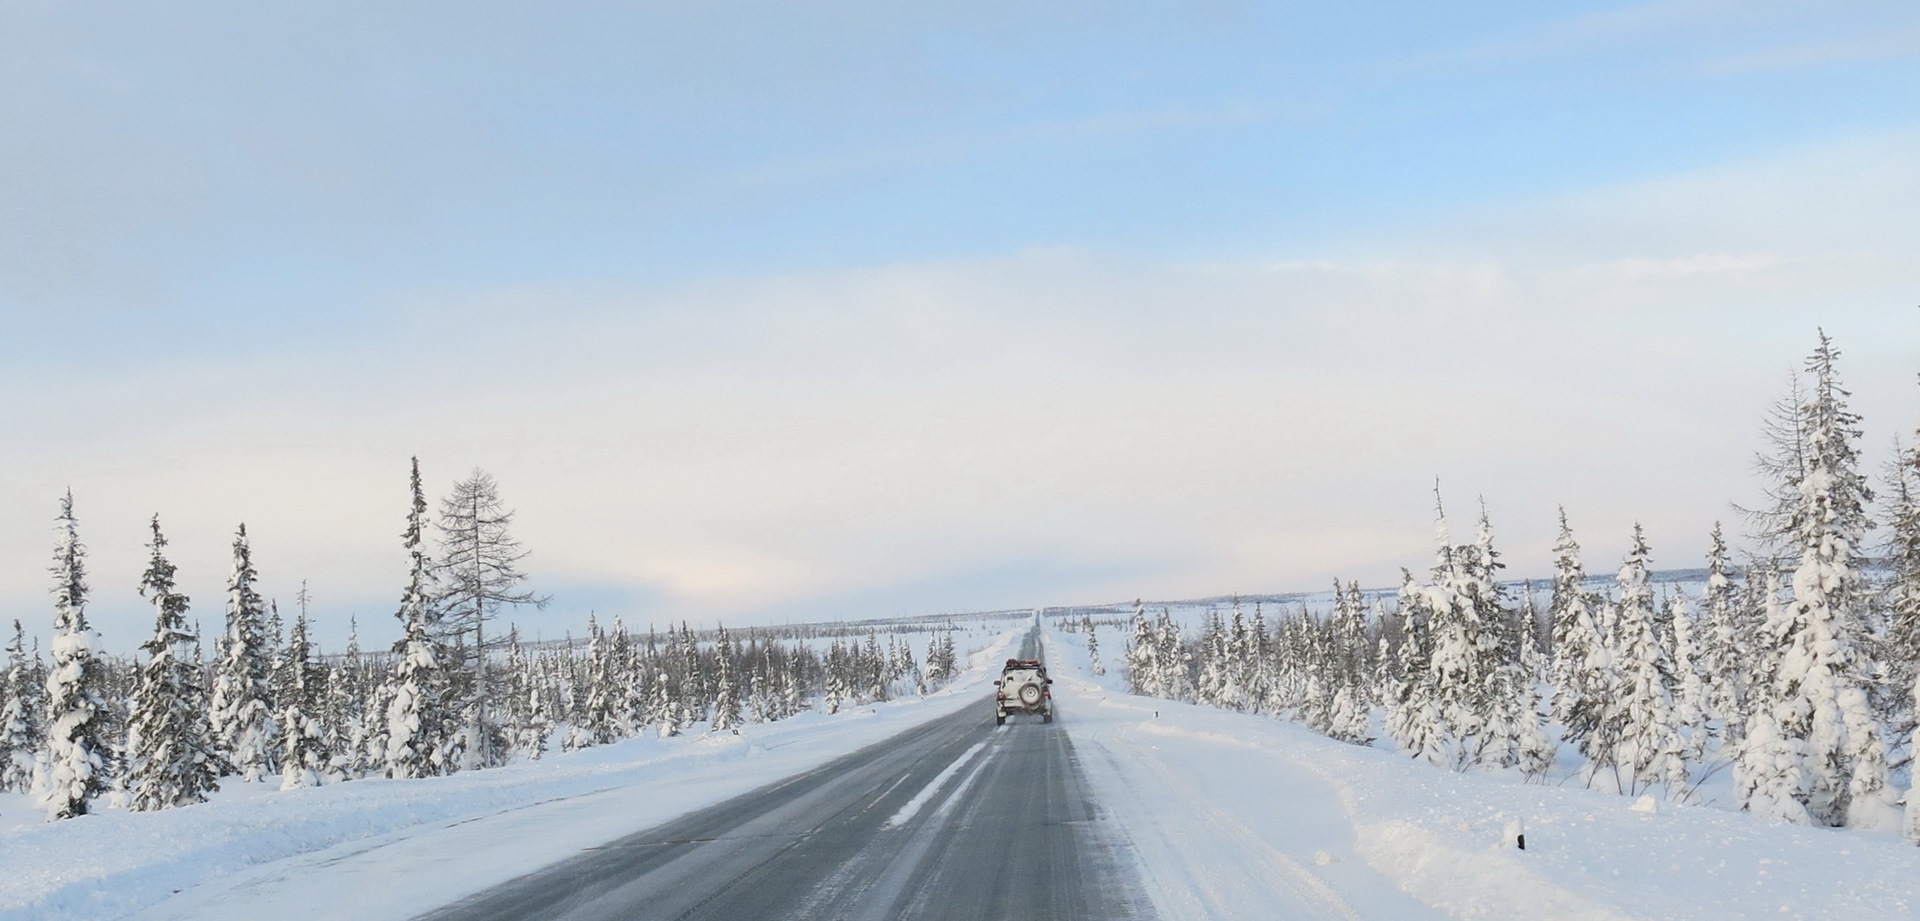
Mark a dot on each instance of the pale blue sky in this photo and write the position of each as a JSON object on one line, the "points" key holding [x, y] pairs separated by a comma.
{"points": [[771, 310]]}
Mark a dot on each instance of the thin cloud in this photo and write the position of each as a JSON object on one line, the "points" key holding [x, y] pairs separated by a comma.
{"points": [[1898, 43]]}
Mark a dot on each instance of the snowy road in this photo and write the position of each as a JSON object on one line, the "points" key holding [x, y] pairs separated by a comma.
{"points": [[956, 818]]}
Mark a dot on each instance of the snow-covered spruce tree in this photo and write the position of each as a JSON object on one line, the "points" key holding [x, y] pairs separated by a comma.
{"points": [[527, 723], [1902, 601], [1692, 706], [1143, 666], [1214, 666], [615, 683], [593, 722], [1583, 673], [641, 698], [1830, 590], [170, 761], [1727, 645], [20, 707], [1263, 654], [793, 681], [1237, 694], [1910, 826], [694, 694], [931, 661], [381, 690], [1901, 596], [304, 758], [1513, 734], [1770, 777], [415, 713], [1650, 749], [726, 687], [1319, 680], [1094, 664], [1465, 651], [1349, 659], [873, 672], [836, 679], [345, 714], [1176, 663], [763, 702], [1289, 691], [905, 667], [1535, 750], [666, 707], [242, 715], [77, 749], [478, 575], [342, 724], [1413, 720], [1819, 692]]}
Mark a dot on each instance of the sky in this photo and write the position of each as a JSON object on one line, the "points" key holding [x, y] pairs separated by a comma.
{"points": [[765, 312]]}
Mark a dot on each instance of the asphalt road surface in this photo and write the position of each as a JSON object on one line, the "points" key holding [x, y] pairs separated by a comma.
{"points": [[953, 819]]}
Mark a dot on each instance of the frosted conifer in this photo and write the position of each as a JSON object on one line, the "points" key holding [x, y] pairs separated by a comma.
{"points": [[615, 684], [305, 760], [667, 708], [1349, 658], [1825, 667], [170, 761], [415, 715], [1214, 667], [1412, 718], [1692, 709], [1910, 829], [77, 751], [1174, 664], [1461, 604], [836, 678], [347, 709], [527, 723], [1583, 672], [1727, 645], [20, 707], [1650, 747], [1818, 689], [1143, 664], [242, 716], [1769, 778], [726, 688], [596, 718], [1902, 593]]}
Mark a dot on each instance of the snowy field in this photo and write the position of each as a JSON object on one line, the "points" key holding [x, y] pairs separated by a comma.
{"points": [[1230, 812], [374, 849]]}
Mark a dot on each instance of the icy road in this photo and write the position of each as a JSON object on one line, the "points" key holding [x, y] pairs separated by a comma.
{"points": [[956, 818]]}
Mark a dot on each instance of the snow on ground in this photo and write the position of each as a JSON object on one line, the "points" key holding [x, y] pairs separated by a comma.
{"points": [[373, 849], [1231, 813]]}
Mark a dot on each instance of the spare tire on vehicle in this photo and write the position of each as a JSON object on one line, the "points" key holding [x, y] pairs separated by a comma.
{"points": [[1030, 694]]}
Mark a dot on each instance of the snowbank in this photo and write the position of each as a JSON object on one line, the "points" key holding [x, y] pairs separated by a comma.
{"points": [[1442, 838]]}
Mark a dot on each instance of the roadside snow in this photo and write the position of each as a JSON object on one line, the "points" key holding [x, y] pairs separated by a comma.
{"points": [[374, 849], [1231, 813]]}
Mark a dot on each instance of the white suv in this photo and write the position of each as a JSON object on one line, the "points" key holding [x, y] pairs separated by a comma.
{"points": [[1023, 689]]}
